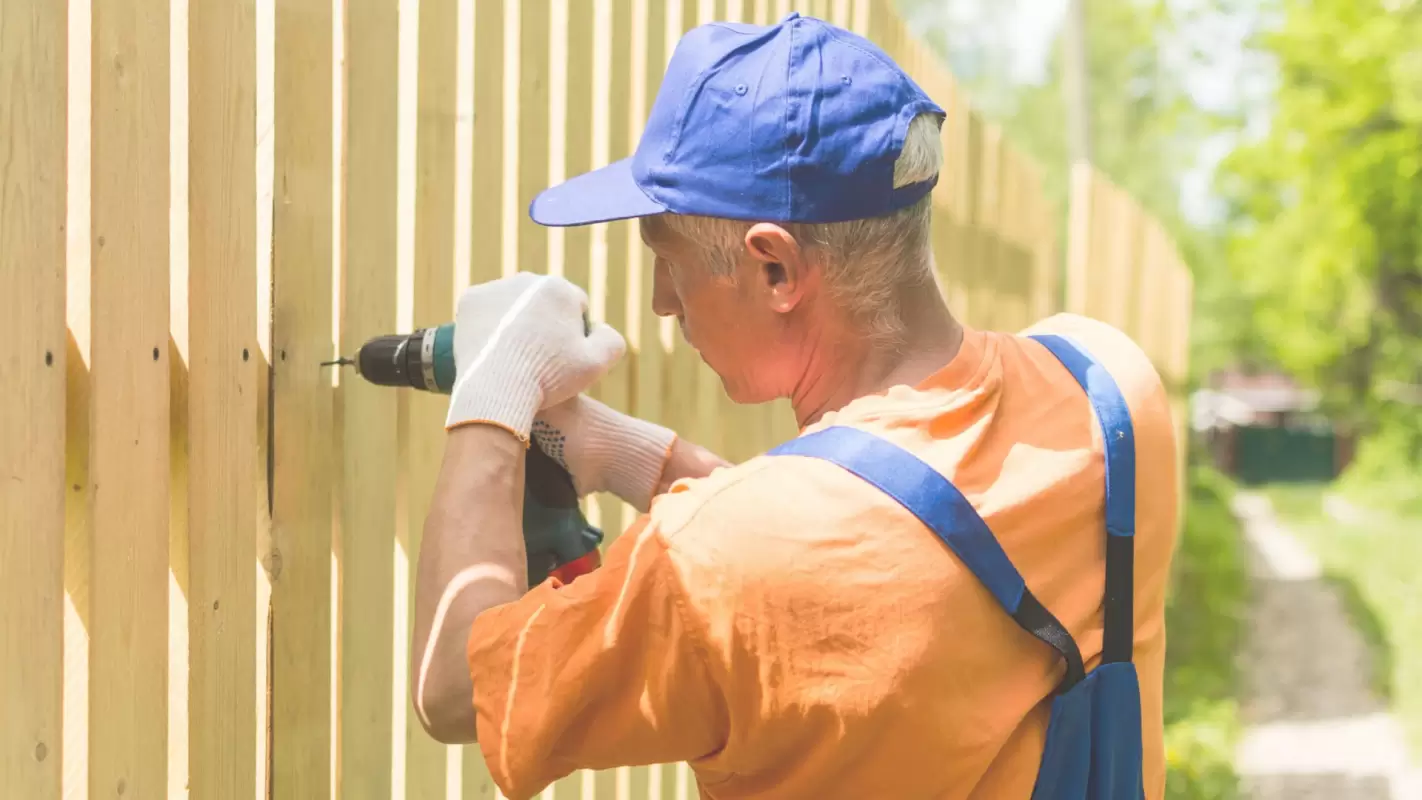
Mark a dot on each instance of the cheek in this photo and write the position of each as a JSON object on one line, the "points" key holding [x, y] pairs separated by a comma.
{"points": [[734, 340]]}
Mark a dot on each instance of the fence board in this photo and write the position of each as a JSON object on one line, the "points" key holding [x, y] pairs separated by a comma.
{"points": [[532, 144], [427, 761], [986, 267], [486, 206], [302, 752], [578, 130], [1117, 289], [33, 63], [129, 455], [222, 400], [1079, 228], [369, 413], [1149, 299]]}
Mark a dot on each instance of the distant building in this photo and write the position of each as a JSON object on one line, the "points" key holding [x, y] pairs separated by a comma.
{"points": [[1262, 426]]}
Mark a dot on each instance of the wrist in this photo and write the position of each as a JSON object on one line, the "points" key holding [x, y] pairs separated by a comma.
{"points": [[630, 454], [607, 451], [499, 394]]}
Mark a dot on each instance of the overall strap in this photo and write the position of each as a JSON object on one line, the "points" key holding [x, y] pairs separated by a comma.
{"points": [[1120, 455], [939, 505]]}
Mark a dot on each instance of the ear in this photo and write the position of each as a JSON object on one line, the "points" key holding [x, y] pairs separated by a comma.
{"points": [[782, 272]]}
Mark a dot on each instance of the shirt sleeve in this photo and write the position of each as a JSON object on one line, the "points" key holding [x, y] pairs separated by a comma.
{"points": [[602, 672]]}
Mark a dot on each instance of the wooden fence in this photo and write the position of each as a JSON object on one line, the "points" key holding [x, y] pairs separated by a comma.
{"points": [[206, 540]]}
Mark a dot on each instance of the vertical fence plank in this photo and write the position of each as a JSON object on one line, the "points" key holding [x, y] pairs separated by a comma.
{"points": [[1016, 213], [578, 150], [33, 63], [302, 402], [532, 130], [1079, 228], [369, 413], [129, 455], [486, 206], [222, 399], [955, 180], [1046, 275], [1148, 299], [760, 12], [972, 248], [986, 267], [427, 761], [1104, 219], [1121, 240]]}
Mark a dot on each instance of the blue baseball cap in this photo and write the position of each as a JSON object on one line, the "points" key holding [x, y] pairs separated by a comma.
{"points": [[801, 121]]}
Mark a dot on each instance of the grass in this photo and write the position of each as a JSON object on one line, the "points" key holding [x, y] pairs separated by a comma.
{"points": [[1204, 621], [1374, 561]]}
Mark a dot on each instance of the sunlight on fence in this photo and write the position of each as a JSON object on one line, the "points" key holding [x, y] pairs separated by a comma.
{"points": [[208, 541]]}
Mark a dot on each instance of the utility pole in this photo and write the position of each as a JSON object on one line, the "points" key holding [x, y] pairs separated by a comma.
{"points": [[1076, 82]]}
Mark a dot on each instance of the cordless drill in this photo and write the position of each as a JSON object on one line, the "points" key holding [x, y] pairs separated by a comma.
{"points": [[559, 539]]}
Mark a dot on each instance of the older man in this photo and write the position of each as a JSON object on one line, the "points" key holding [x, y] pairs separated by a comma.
{"points": [[791, 626]]}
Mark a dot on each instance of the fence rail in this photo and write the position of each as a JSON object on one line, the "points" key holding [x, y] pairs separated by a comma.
{"points": [[206, 541]]}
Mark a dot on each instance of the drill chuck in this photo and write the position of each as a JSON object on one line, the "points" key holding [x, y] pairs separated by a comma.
{"points": [[420, 360]]}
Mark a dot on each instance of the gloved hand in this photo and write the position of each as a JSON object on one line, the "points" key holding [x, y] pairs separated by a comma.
{"points": [[520, 346], [605, 450]]}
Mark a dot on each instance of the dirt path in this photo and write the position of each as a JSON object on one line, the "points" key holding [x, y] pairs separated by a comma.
{"points": [[1314, 729]]}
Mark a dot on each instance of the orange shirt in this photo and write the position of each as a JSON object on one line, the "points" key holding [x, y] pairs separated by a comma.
{"points": [[791, 632]]}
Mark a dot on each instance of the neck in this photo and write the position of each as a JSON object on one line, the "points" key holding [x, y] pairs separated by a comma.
{"points": [[845, 364]]}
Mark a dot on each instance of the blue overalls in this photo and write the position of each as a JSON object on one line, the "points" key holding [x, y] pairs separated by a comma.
{"points": [[1093, 744]]}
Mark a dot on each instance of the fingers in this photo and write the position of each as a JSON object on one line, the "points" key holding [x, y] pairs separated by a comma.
{"points": [[603, 347]]}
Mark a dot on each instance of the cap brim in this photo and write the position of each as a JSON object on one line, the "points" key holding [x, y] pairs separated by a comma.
{"points": [[602, 195]]}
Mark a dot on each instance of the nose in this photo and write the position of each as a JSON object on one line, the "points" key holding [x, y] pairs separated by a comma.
{"points": [[665, 302]]}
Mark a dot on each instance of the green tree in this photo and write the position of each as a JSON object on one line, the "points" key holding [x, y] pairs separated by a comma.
{"points": [[1325, 212]]}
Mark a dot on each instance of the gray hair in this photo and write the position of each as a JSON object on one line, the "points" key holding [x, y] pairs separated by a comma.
{"points": [[867, 262]]}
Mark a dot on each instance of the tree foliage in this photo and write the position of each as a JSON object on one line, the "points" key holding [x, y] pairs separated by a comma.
{"points": [[1325, 211]]}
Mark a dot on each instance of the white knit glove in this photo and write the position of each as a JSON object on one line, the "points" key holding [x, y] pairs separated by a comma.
{"points": [[520, 345], [605, 450]]}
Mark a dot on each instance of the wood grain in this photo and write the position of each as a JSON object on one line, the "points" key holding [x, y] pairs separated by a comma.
{"points": [[129, 411], [222, 400], [369, 413], [33, 64], [303, 441], [532, 129]]}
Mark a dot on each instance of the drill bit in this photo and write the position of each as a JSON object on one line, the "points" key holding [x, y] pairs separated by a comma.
{"points": [[339, 362]]}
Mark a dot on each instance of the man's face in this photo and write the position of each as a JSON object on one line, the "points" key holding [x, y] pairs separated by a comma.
{"points": [[724, 317]]}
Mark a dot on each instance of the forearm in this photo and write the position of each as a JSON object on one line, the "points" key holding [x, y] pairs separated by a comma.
{"points": [[471, 559], [687, 460]]}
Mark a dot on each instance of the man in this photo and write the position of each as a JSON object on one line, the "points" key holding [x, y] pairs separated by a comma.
{"points": [[783, 626]]}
